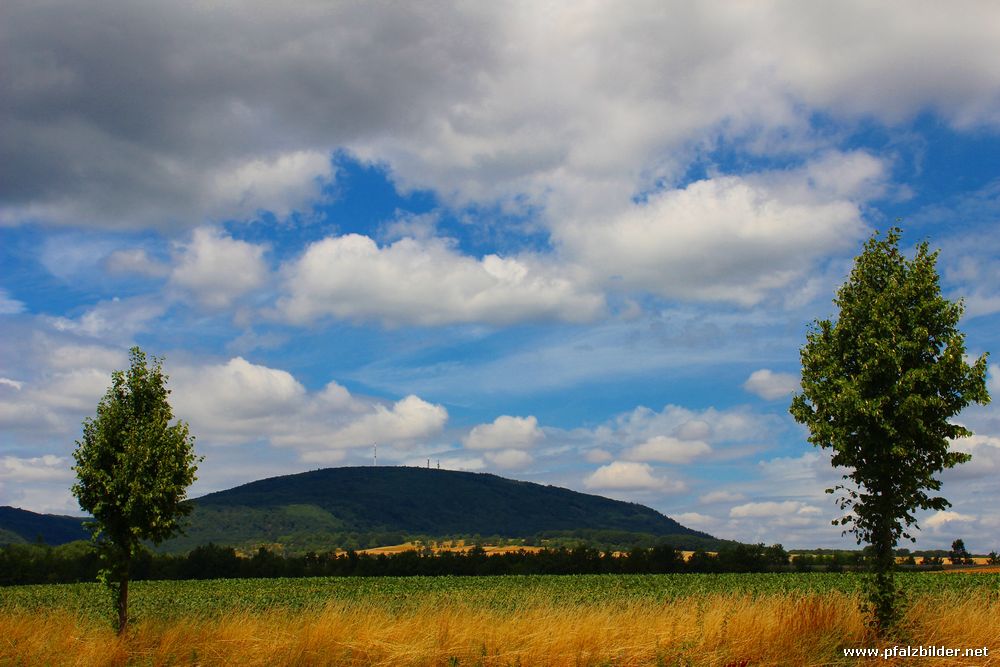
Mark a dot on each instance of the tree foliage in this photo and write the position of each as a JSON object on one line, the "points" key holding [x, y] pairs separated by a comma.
{"points": [[879, 387], [133, 469]]}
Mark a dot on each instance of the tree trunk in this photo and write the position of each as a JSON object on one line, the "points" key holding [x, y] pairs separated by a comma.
{"points": [[884, 597], [122, 604]]}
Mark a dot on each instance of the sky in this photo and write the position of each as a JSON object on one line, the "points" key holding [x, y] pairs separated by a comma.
{"points": [[573, 243]]}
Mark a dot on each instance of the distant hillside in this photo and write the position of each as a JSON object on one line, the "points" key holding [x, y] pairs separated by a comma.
{"points": [[18, 526], [317, 508], [369, 506]]}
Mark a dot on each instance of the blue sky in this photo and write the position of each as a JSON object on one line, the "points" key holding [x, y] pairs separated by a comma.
{"points": [[577, 245]]}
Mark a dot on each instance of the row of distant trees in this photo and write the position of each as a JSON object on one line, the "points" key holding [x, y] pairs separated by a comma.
{"points": [[23, 564]]}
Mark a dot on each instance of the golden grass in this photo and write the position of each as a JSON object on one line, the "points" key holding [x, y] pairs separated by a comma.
{"points": [[713, 630]]}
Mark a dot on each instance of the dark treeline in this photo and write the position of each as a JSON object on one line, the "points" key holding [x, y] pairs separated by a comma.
{"points": [[24, 564]]}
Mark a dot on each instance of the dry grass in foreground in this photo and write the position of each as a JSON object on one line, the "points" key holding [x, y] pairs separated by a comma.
{"points": [[711, 630]]}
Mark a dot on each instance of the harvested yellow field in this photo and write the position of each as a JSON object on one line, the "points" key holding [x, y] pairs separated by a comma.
{"points": [[458, 547], [718, 630]]}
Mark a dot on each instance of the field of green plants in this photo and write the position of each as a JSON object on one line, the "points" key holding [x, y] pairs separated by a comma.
{"points": [[175, 599]]}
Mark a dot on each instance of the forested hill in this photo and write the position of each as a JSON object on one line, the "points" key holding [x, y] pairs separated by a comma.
{"points": [[371, 506], [413, 501], [17, 526]]}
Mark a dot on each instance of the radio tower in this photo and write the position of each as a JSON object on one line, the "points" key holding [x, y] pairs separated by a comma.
{"points": [[374, 453]]}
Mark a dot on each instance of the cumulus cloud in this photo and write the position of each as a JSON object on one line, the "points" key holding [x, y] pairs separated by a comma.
{"points": [[509, 458], [277, 183], [629, 475], [40, 483], [771, 509], [683, 433], [135, 260], [234, 399], [721, 497], [666, 449], [241, 106], [985, 463], [44, 468], [427, 283], [944, 517], [596, 148], [60, 382], [597, 455], [761, 232], [505, 432], [407, 420], [113, 320], [697, 520], [770, 385], [239, 402], [218, 269]]}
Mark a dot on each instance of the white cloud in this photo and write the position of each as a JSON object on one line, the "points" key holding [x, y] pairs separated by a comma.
{"points": [[598, 456], [115, 319], [427, 283], [46, 468], [666, 449], [15, 384], [469, 463], [38, 483], [942, 518], [721, 497], [985, 463], [278, 183], [237, 118], [509, 458], [9, 305], [697, 520], [59, 384], [710, 426], [760, 232], [770, 385], [409, 419], [218, 269], [505, 432], [135, 260], [239, 402], [235, 398], [628, 475], [771, 509]]}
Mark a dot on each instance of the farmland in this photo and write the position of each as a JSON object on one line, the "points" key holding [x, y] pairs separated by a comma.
{"points": [[573, 620]]}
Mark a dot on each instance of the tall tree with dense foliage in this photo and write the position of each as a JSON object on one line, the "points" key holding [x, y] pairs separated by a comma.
{"points": [[133, 469], [879, 387]]}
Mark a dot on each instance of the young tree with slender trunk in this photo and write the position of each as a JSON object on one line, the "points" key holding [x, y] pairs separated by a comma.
{"points": [[879, 387], [133, 469]]}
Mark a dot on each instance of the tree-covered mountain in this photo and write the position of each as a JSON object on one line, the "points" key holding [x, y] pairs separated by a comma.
{"points": [[342, 505], [361, 507], [19, 526]]}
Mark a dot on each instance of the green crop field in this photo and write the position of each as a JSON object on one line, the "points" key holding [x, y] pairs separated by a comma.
{"points": [[172, 599]]}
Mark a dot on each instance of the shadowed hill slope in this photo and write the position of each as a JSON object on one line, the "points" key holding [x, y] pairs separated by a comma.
{"points": [[19, 526], [411, 501], [360, 507]]}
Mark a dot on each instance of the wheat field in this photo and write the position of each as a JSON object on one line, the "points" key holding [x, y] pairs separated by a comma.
{"points": [[712, 630]]}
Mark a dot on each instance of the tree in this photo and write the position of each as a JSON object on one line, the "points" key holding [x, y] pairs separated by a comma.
{"points": [[879, 386], [133, 469], [959, 555]]}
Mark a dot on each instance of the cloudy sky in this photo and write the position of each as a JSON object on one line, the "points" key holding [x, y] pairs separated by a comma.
{"points": [[574, 243]]}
